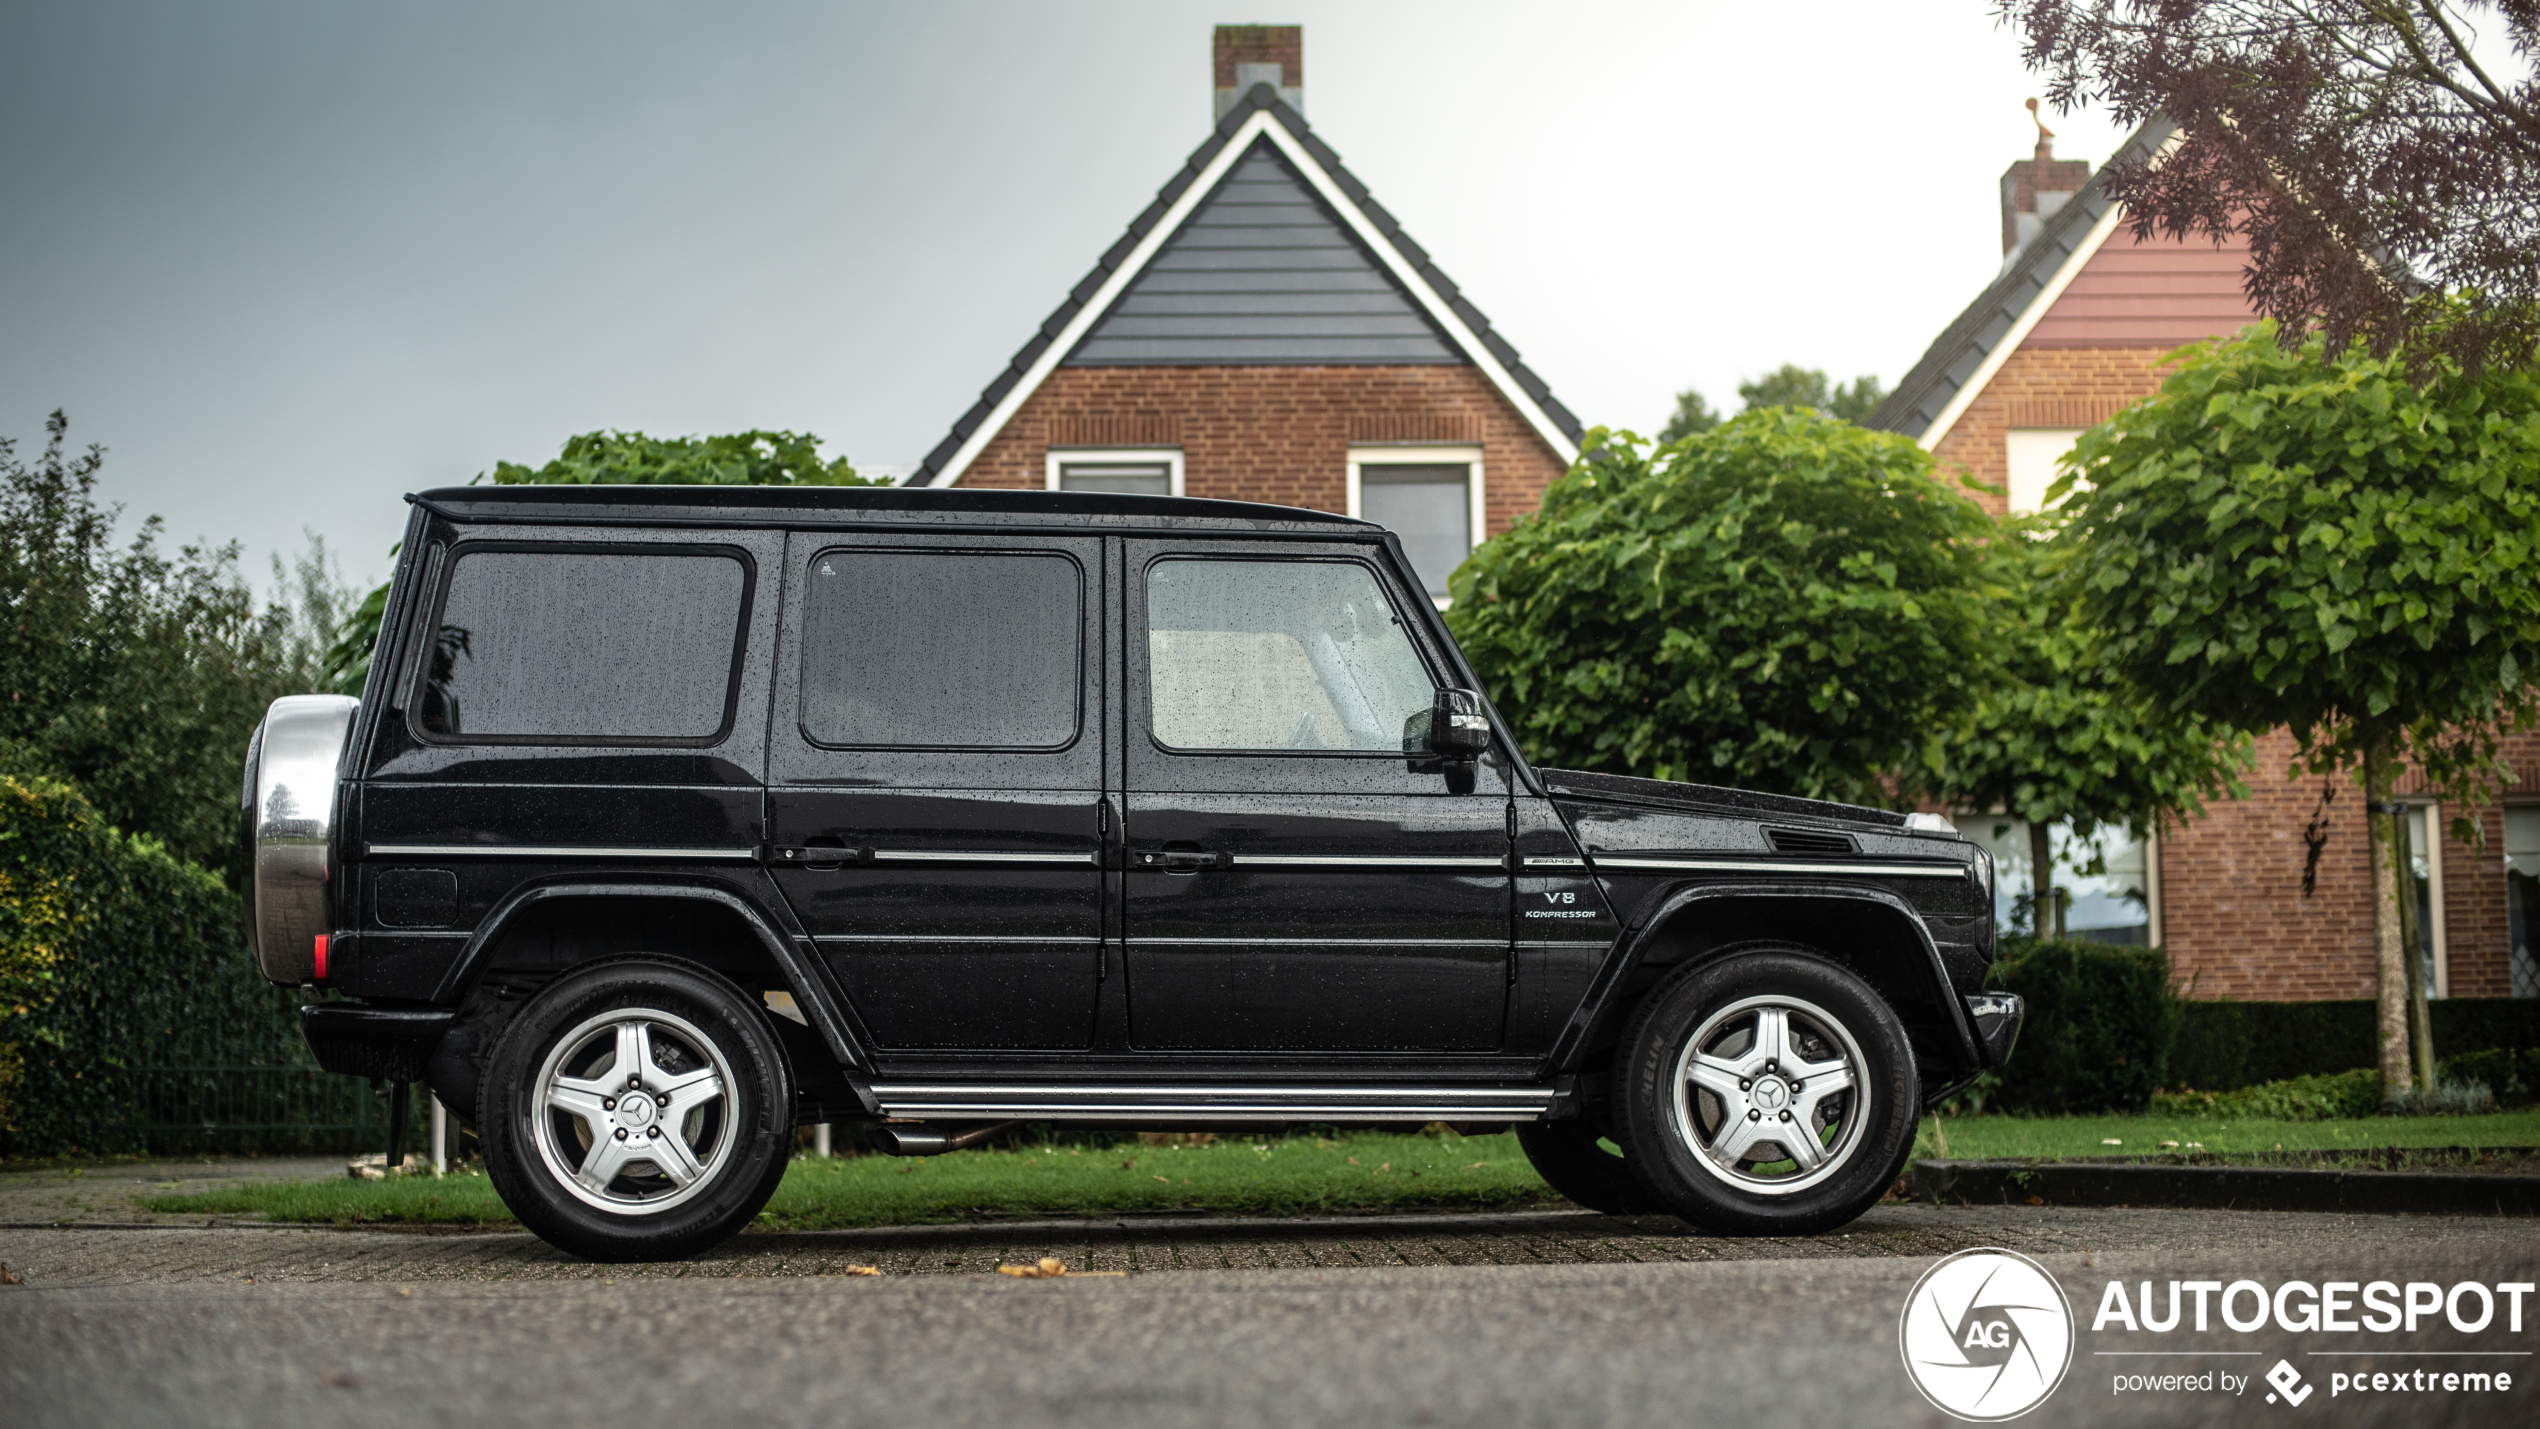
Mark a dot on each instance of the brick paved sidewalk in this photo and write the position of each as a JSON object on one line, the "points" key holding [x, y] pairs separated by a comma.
{"points": [[235, 1253]]}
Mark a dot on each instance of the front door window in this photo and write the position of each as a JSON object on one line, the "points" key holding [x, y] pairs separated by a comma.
{"points": [[1284, 655]]}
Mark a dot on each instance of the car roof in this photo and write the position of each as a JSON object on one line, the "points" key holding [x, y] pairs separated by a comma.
{"points": [[939, 507]]}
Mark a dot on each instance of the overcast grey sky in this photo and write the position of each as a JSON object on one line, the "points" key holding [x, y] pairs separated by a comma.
{"points": [[291, 261]]}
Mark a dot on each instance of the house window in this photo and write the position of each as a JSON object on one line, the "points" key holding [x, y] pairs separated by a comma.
{"points": [[2522, 895], [1132, 471], [2030, 454], [1431, 497], [2105, 883], [2425, 886]]}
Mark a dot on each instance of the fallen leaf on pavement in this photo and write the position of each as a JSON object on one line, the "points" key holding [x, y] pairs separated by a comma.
{"points": [[10, 1277], [1050, 1268], [861, 1270]]}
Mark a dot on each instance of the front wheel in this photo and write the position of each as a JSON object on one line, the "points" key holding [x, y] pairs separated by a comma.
{"points": [[637, 1110], [1771, 1093]]}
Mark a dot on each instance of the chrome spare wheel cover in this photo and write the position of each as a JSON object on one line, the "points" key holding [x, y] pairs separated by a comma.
{"points": [[1770, 1095], [633, 1111]]}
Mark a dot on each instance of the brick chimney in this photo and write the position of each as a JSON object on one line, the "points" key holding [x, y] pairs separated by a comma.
{"points": [[2034, 188], [1246, 55]]}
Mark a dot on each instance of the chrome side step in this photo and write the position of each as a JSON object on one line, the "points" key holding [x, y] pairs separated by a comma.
{"points": [[1097, 1103]]}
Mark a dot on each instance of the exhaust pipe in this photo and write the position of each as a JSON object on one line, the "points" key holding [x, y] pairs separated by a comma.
{"points": [[923, 1141]]}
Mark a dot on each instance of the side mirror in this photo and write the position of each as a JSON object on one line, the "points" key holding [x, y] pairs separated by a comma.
{"points": [[1457, 727]]}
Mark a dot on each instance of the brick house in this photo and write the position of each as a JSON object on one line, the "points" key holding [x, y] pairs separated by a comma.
{"points": [[1265, 331], [2073, 327]]}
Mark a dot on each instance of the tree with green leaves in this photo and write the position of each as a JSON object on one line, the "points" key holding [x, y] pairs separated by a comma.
{"points": [[751, 458], [1692, 415], [1789, 603], [1791, 385], [135, 674], [2058, 736], [2280, 538]]}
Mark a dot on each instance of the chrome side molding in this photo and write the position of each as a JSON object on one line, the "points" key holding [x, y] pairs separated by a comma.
{"points": [[1111, 1103]]}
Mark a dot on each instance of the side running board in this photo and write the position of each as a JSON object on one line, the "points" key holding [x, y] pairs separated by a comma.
{"points": [[1097, 1103]]}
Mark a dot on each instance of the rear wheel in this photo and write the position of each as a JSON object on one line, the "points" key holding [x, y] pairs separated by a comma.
{"points": [[1771, 1093], [1571, 1158], [637, 1110]]}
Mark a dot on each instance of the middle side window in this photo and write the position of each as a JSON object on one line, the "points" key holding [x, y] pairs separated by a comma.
{"points": [[942, 650]]}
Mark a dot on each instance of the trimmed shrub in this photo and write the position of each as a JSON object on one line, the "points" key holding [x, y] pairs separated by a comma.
{"points": [[2512, 1075], [2100, 1021], [2223, 1044], [2355, 1093]]}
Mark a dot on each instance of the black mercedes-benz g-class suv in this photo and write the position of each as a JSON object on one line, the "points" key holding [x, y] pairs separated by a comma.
{"points": [[672, 818]]}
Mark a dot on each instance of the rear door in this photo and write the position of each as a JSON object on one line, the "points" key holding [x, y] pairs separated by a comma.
{"points": [[935, 782], [1293, 882], [573, 703]]}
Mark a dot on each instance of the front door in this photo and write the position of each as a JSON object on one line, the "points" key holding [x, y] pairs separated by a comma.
{"points": [[1293, 882], [935, 778]]}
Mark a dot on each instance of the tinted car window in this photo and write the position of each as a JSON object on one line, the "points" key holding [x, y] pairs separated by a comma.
{"points": [[572, 645], [1304, 655], [950, 649]]}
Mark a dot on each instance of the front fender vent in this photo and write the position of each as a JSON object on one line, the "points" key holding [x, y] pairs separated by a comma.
{"points": [[1808, 841]]}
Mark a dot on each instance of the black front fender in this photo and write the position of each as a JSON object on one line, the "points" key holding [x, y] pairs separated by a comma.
{"points": [[1601, 1012]]}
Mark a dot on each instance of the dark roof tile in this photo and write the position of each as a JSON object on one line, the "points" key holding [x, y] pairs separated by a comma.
{"points": [[1260, 97]]}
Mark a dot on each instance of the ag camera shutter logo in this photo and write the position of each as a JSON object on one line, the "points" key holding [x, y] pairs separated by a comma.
{"points": [[1986, 1335]]}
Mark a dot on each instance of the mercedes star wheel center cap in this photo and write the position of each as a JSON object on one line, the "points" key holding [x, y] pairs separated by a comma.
{"points": [[1771, 1094], [635, 1109]]}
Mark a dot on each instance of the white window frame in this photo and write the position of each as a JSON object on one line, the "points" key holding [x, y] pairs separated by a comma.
{"points": [[1468, 457], [1057, 456], [2019, 448], [2427, 815]]}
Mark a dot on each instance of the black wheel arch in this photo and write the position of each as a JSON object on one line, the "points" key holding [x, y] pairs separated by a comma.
{"points": [[545, 929], [1875, 934]]}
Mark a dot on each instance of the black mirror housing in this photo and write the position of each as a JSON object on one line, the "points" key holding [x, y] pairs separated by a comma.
{"points": [[1457, 727]]}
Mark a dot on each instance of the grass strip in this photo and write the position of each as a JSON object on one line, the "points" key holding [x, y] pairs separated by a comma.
{"points": [[1307, 1175], [1985, 1138], [1288, 1176]]}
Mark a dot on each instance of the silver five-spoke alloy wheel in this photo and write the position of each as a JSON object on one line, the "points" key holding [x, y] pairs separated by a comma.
{"points": [[633, 1111], [1769, 1094]]}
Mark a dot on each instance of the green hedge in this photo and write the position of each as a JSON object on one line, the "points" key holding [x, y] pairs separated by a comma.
{"points": [[2224, 1045], [131, 1018], [2099, 1027]]}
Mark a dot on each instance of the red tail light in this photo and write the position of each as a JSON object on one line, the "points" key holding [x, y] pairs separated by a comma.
{"points": [[321, 957]]}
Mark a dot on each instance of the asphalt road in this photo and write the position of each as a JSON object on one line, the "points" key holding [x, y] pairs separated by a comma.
{"points": [[1548, 1320]]}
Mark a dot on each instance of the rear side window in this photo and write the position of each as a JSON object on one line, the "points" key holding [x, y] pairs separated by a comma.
{"points": [[582, 646], [942, 649]]}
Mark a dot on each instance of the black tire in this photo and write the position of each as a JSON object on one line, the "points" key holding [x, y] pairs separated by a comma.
{"points": [[710, 1073], [1689, 1142], [1566, 1155]]}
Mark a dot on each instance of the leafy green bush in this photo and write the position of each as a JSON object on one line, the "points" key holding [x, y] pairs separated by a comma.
{"points": [[2355, 1093], [1787, 603], [2512, 1075], [2100, 1020], [119, 963], [140, 675]]}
